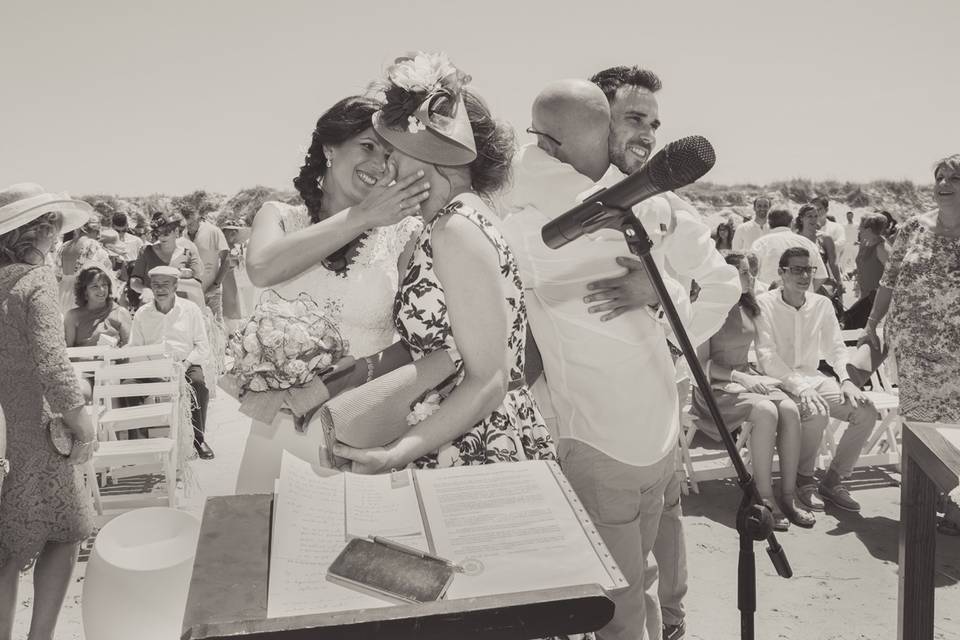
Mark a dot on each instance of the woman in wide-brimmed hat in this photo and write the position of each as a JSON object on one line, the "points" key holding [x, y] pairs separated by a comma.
{"points": [[44, 510]]}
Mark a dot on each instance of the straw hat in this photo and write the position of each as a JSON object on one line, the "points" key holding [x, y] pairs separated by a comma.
{"points": [[25, 202]]}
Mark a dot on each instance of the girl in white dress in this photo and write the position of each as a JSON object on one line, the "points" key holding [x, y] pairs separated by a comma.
{"points": [[342, 247]]}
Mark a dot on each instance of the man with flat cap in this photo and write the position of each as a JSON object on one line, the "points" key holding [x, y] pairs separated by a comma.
{"points": [[178, 322]]}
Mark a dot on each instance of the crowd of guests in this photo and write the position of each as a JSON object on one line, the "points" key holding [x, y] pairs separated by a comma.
{"points": [[558, 354]]}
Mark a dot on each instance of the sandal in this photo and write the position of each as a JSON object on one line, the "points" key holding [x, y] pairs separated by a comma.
{"points": [[780, 521], [797, 515]]}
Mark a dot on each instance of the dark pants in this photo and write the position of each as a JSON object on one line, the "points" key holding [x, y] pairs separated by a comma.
{"points": [[198, 414], [856, 316]]}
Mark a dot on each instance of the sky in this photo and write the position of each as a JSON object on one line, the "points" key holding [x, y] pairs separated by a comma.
{"points": [[133, 97]]}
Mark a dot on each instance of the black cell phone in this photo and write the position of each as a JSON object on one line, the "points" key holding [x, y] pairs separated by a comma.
{"points": [[385, 572]]}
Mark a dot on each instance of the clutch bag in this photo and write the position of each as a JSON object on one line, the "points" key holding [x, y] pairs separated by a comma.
{"points": [[375, 414], [60, 436]]}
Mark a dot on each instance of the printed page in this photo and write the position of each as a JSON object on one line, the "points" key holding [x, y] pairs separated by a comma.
{"points": [[384, 505], [510, 527], [308, 533]]}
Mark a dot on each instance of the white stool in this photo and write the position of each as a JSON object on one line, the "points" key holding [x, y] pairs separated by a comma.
{"points": [[138, 575]]}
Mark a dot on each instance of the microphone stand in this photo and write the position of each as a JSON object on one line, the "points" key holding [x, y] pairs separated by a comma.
{"points": [[754, 519]]}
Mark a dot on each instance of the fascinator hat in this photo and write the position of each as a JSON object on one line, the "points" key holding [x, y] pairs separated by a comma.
{"points": [[23, 203], [423, 114]]}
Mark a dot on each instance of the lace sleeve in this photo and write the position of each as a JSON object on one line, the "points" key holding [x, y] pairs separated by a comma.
{"points": [[291, 218], [46, 343], [409, 227]]}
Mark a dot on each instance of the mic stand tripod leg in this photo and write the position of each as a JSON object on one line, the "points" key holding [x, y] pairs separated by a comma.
{"points": [[754, 520]]}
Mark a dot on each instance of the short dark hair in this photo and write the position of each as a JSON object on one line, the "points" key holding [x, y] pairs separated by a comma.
{"points": [[821, 201], [120, 220], [875, 222], [804, 210], [609, 80], [779, 218], [759, 198], [84, 279], [793, 252]]}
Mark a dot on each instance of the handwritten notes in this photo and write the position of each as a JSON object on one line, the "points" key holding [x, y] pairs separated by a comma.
{"points": [[308, 533], [383, 505]]}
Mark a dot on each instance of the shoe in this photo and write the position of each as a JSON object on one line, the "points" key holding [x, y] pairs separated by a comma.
{"points": [[780, 521], [798, 516], [204, 451], [807, 496], [839, 496], [674, 631]]}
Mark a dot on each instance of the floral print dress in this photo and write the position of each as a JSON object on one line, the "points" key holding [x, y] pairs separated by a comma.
{"points": [[515, 431], [923, 326]]}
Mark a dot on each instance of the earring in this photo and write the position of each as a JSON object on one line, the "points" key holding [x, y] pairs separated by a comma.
{"points": [[329, 164]]}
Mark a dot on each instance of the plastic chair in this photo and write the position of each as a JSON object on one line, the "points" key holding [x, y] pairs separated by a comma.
{"points": [[138, 576]]}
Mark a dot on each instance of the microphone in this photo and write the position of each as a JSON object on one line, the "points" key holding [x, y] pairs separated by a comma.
{"points": [[678, 164]]}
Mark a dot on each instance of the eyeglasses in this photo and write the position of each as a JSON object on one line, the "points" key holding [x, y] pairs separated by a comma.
{"points": [[802, 271], [545, 135]]}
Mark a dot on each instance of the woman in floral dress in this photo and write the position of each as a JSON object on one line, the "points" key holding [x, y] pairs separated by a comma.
{"points": [[461, 291], [922, 279]]}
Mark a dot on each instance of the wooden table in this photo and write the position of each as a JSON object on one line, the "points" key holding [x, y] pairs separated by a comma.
{"points": [[228, 596], [930, 465]]}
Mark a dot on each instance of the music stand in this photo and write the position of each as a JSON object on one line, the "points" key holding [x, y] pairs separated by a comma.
{"points": [[228, 596]]}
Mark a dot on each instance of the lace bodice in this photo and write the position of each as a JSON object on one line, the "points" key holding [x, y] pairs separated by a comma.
{"points": [[361, 301]]}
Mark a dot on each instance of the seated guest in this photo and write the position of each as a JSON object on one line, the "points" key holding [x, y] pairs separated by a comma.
{"points": [[723, 236], [169, 249], [97, 319], [743, 394], [770, 247], [794, 329], [178, 323], [80, 249]]}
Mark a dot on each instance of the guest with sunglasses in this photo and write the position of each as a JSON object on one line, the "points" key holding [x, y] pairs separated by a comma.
{"points": [[169, 249], [794, 330]]}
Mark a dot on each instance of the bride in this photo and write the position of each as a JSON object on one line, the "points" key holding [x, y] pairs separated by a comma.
{"points": [[343, 247]]}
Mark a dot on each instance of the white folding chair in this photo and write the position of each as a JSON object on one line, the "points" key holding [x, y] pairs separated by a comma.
{"points": [[712, 465], [125, 381]]}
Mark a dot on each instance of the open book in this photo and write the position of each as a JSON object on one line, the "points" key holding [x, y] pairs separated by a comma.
{"points": [[512, 527]]}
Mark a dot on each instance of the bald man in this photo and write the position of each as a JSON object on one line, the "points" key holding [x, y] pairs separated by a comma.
{"points": [[609, 387]]}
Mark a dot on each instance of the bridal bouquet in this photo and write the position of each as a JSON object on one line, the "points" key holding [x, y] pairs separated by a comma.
{"points": [[279, 354]]}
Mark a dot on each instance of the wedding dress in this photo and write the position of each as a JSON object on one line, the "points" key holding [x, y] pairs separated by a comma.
{"points": [[361, 306]]}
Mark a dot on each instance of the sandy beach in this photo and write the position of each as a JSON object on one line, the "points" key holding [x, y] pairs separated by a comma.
{"points": [[845, 569]]}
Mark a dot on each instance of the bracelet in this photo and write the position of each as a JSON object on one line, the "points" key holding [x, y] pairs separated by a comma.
{"points": [[370, 369], [83, 444]]}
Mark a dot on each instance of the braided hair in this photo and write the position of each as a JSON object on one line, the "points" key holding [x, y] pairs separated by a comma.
{"points": [[347, 118]]}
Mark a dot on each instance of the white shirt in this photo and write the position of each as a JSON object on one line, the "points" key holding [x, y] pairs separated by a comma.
{"points": [[611, 383], [210, 242], [770, 247], [790, 342], [131, 246], [746, 233], [181, 328]]}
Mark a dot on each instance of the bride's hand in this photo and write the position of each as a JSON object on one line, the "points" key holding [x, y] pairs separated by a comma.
{"points": [[392, 200], [366, 461]]}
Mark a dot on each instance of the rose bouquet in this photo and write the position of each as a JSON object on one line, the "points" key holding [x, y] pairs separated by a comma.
{"points": [[280, 353]]}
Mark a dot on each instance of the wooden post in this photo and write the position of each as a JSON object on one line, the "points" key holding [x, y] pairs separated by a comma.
{"points": [[918, 496]]}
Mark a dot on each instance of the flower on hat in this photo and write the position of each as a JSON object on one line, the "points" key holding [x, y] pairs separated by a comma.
{"points": [[415, 124], [411, 80]]}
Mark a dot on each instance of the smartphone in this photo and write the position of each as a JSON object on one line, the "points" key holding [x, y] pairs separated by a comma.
{"points": [[389, 573]]}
